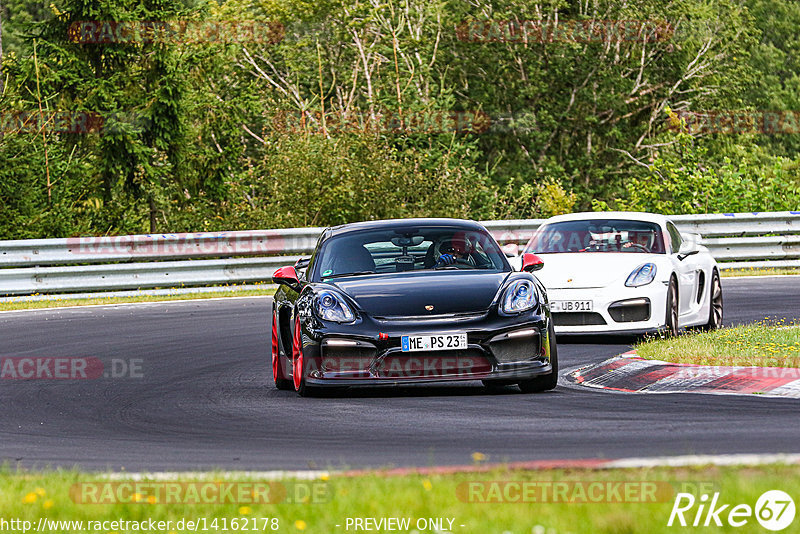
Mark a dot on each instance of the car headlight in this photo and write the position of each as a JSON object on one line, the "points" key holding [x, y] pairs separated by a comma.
{"points": [[642, 275], [519, 296], [331, 307]]}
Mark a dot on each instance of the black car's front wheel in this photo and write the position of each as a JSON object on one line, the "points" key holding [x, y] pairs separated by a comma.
{"points": [[298, 364], [282, 382], [550, 380]]}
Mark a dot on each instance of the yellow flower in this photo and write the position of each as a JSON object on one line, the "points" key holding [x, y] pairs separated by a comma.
{"points": [[48, 504], [427, 484], [30, 498], [137, 497], [245, 510], [40, 492], [151, 499], [325, 476], [300, 524], [478, 457]]}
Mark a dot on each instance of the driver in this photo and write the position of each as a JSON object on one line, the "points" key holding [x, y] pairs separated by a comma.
{"points": [[451, 251]]}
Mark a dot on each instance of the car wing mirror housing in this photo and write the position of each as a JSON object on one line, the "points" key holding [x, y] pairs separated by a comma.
{"points": [[286, 276], [689, 246], [531, 262]]}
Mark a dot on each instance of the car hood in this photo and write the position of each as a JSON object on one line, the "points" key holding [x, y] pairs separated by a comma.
{"points": [[584, 270], [408, 294]]}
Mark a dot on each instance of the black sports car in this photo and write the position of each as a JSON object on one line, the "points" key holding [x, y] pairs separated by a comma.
{"points": [[410, 301]]}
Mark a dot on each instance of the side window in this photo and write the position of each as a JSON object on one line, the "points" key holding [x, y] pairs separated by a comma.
{"points": [[674, 237]]}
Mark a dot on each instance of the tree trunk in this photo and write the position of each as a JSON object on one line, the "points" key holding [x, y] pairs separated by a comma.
{"points": [[1, 49], [153, 214]]}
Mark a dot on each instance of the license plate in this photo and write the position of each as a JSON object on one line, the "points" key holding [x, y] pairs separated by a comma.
{"points": [[571, 305], [434, 342]]}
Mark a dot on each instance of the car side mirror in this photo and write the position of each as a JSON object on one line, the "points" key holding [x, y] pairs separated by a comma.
{"points": [[286, 276], [531, 262], [302, 263], [689, 247]]}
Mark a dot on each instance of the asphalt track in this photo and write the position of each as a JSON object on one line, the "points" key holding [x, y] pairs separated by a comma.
{"points": [[205, 400]]}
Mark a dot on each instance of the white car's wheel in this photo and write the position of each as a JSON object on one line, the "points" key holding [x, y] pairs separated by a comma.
{"points": [[715, 303], [671, 319]]}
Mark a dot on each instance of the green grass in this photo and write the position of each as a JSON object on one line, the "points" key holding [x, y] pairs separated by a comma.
{"points": [[31, 495], [765, 271], [66, 301], [767, 343]]}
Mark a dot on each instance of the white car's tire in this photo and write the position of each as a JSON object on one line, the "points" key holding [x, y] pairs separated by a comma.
{"points": [[715, 303], [671, 315]]}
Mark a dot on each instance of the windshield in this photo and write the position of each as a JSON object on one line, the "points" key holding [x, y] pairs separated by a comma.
{"points": [[402, 249], [597, 235]]}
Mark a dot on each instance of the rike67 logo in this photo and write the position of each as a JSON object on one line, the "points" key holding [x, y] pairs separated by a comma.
{"points": [[774, 510]]}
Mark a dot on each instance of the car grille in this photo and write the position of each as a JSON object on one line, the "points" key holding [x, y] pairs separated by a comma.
{"points": [[347, 359], [431, 364], [627, 311], [516, 349], [578, 319]]}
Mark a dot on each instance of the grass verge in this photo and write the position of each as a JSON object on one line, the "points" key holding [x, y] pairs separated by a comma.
{"points": [[767, 343], [66, 301], [557, 501], [765, 271]]}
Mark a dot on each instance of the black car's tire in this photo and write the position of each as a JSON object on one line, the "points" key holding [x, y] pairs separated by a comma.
{"points": [[671, 312], [715, 301], [298, 365], [279, 362], [550, 380]]}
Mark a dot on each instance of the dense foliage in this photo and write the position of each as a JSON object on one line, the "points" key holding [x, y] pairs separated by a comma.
{"points": [[362, 109]]}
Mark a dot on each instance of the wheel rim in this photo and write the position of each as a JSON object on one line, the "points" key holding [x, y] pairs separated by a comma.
{"points": [[673, 312], [297, 357], [716, 302], [275, 357]]}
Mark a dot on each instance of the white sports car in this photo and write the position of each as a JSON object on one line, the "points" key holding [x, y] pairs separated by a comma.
{"points": [[625, 272]]}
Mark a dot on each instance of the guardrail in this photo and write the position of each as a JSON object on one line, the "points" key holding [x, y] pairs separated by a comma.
{"points": [[737, 240]]}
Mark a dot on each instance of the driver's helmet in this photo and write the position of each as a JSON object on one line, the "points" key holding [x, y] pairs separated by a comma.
{"points": [[458, 245]]}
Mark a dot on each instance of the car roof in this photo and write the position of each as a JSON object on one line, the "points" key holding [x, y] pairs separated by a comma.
{"points": [[399, 223], [624, 215]]}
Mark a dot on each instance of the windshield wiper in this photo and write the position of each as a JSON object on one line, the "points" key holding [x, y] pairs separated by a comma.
{"points": [[357, 273]]}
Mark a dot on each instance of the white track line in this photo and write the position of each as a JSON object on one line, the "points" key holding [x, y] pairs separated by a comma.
{"points": [[120, 304], [623, 463]]}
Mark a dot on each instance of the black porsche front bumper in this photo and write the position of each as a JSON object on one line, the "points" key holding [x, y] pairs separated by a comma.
{"points": [[501, 349]]}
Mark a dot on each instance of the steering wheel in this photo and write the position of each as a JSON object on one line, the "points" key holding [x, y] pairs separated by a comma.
{"points": [[458, 261], [641, 247]]}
